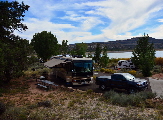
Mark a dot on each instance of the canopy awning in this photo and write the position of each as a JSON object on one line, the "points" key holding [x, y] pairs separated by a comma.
{"points": [[53, 62]]}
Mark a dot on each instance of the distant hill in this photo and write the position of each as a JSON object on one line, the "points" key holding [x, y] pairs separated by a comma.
{"points": [[117, 45]]}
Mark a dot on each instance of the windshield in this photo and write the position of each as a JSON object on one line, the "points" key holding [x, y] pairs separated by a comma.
{"points": [[83, 66], [129, 77]]}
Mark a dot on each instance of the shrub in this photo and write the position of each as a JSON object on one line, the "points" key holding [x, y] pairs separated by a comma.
{"points": [[30, 73], [113, 65], [45, 104], [114, 60], [122, 99], [15, 113], [97, 70], [102, 69], [133, 72], [94, 77], [159, 61], [110, 71], [157, 69], [71, 104], [92, 115], [2, 108], [89, 91]]}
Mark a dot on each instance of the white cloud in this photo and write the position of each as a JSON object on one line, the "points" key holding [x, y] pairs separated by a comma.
{"points": [[124, 15], [157, 32], [160, 20], [37, 26], [120, 17], [90, 22]]}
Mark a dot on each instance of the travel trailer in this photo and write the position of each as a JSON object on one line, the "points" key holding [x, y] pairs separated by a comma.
{"points": [[125, 64]]}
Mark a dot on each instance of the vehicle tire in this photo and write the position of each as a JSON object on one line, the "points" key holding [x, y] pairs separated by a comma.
{"points": [[102, 87], [132, 91]]}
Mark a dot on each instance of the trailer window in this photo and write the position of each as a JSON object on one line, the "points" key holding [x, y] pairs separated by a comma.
{"points": [[83, 66]]}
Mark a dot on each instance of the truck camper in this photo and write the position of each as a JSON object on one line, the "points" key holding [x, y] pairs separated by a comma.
{"points": [[73, 70]]}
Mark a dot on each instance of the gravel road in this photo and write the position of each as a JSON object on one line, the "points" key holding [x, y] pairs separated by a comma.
{"points": [[156, 86]]}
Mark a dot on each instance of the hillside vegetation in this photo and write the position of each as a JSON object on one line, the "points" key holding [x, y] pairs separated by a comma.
{"points": [[22, 100]]}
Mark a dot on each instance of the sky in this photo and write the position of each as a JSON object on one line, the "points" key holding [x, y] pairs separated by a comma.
{"points": [[90, 21]]}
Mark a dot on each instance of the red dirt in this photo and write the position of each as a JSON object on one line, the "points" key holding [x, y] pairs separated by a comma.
{"points": [[158, 76]]}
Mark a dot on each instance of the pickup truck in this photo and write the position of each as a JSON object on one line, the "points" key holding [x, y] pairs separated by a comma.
{"points": [[122, 81]]}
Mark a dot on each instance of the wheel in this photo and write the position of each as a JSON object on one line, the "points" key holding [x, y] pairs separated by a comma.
{"points": [[132, 91], [102, 87]]}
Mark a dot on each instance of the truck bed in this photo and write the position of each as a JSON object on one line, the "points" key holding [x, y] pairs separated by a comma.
{"points": [[108, 77], [101, 79]]}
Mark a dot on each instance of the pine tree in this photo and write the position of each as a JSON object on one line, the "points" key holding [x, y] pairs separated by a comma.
{"points": [[13, 49], [104, 59], [64, 47], [144, 55], [97, 55]]}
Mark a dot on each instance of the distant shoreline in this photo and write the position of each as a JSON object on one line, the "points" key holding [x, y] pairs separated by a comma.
{"points": [[121, 51], [126, 51]]}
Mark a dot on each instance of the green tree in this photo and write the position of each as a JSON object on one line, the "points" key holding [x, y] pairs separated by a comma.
{"points": [[12, 14], [2, 60], [81, 49], [64, 47], [13, 49], [159, 61], [97, 55], [104, 59], [15, 58], [90, 55], [144, 55], [45, 44]]}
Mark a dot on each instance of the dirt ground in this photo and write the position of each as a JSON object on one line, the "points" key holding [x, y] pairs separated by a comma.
{"points": [[34, 90], [158, 76], [60, 102], [93, 86]]}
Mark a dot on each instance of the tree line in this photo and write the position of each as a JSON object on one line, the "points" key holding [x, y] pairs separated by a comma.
{"points": [[15, 52]]}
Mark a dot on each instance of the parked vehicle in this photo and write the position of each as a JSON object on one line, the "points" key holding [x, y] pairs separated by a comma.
{"points": [[125, 64], [74, 71], [122, 81]]}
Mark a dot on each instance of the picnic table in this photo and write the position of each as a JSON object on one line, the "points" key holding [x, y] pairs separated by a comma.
{"points": [[46, 84]]}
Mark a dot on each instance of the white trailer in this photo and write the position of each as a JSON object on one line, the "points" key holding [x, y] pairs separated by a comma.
{"points": [[128, 64]]}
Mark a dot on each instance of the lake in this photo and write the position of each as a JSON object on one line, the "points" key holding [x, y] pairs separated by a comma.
{"points": [[129, 54], [122, 54]]}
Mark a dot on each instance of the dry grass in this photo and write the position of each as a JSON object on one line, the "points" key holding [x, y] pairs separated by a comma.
{"points": [[67, 104]]}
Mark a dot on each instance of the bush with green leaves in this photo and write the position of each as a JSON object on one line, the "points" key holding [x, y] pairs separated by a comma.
{"points": [[111, 71], [157, 69], [102, 70], [123, 99], [38, 72]]}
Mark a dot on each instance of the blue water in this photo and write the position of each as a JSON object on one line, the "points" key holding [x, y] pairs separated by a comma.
{"points": [[129, 54]]}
